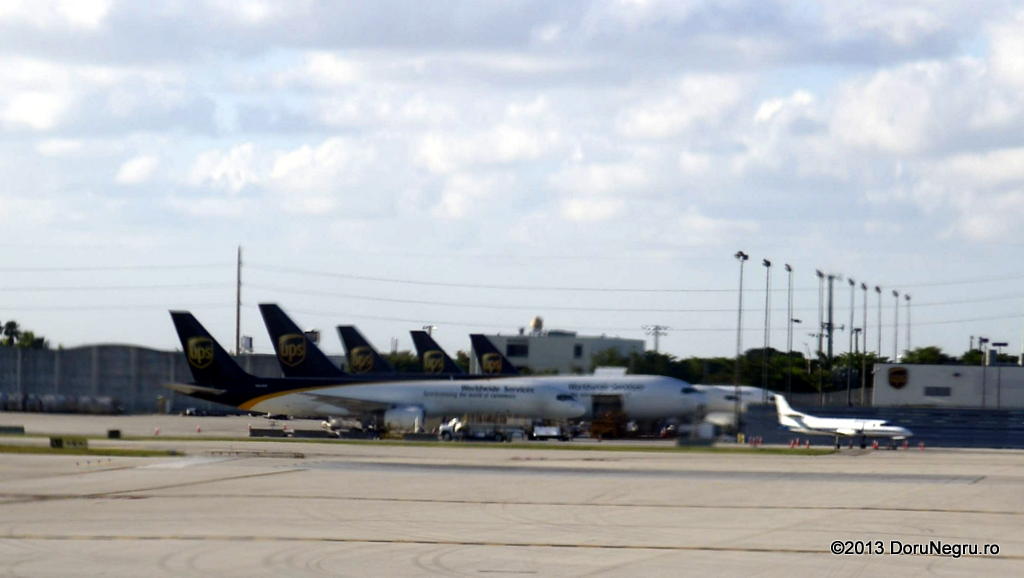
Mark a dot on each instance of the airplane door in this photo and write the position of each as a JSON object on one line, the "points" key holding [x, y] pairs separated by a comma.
{"points": [[609, 420], [606, 404]]}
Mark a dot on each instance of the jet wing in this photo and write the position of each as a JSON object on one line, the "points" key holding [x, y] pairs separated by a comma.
{"points": [[355, 406], [191, 388]]}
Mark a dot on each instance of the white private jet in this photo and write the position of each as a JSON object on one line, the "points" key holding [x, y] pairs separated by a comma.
{"points": [[837, 426]]}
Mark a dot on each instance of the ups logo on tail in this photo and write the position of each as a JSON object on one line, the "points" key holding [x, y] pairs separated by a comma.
{"points": [[200, 352], [433, 361], [291, 349], [360, 360], [490, 363]]}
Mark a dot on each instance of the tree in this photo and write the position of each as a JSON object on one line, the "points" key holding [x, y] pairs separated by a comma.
{"points": [[11, 332], [930, 355], [404, 361]]}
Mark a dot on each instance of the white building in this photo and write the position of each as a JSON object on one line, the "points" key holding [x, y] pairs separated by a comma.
{"points": [[564, 352], [975, 386]]}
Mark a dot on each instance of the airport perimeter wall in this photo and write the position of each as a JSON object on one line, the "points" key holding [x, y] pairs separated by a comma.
{"points": [[104, 379], [939, 427]]}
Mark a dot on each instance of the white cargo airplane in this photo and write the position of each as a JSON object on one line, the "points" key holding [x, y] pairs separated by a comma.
{"points": [[406, 403], [837, 426]]}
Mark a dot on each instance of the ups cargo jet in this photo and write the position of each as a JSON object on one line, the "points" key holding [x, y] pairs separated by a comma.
{"points": [[848, 427], [401, 403], [406, 403], [298, 356]]}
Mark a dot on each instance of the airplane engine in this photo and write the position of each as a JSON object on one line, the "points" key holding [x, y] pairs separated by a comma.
{"points": [[406, 418]]}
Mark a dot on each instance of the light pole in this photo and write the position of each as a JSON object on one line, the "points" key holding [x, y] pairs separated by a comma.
{"points": [[742, 258], [789, 357], [789, 324], [767, 327], [981, 346], [896, 327], [999, 373], [879, 291], [429, 329], [821, 301], [907, 297], [849, 349], [856, 333], [864, 347], [657, 331]]}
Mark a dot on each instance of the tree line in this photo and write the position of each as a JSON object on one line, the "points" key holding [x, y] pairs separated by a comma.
{"points": [[14, 336]]}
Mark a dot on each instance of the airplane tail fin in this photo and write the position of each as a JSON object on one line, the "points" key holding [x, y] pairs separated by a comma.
{"points": [[209, 362], [491, 361], [786, 413], [433, 359], [297, 355], [362, 357]]}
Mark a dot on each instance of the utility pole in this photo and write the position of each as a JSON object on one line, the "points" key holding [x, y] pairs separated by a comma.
{"points": [[657, 331], [821, 315], [238, 303]]}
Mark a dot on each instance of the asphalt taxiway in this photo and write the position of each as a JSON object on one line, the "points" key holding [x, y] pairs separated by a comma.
{"points": [[262, 508]]}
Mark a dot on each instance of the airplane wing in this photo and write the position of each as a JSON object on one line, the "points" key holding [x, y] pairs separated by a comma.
{"points": [[355, 406], [191, 388], [847, 431]]}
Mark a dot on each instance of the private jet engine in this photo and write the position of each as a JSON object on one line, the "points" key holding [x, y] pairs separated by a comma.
{"points": [[405, 418]]}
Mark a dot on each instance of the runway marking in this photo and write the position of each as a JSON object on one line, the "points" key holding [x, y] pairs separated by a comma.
{"points": [[425, 542], [140, 495], [789, 476]]}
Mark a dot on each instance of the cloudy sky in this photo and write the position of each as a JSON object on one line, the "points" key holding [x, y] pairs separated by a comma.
{"points": [[470, 165]]}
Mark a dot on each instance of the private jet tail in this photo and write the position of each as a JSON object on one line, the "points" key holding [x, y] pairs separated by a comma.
{"points": [[788, 416], [362, 357], [491, 361], [433, 359], [297, 355]]}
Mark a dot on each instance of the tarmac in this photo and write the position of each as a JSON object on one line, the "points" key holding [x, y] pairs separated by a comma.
{"points": [[233, 507]]}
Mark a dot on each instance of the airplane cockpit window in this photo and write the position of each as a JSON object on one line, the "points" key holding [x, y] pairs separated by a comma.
{"points": [[688, 389], [565, 397], [730, 397]]}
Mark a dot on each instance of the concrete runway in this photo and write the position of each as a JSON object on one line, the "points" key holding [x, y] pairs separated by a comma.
{"points": [[315, 509]]}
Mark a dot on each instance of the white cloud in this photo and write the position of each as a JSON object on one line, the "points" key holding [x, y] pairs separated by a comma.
{"points": [[316, 180], [136, 170], [80, 14], [991, 217], [467, 195], [230, 170], [591, 209], [37, 110], [58, 147], [694, 100], [1006, 47], [601, 179], [505, 143]]}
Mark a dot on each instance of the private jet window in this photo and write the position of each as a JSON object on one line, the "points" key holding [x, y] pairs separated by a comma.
{"points": [[938, 391], [730, 397], [517, 350], [565, 397], [577, 351], [690, 390]]}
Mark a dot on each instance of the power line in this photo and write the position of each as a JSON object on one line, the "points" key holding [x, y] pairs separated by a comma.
{"points": [[115, 287], [111, 268]]}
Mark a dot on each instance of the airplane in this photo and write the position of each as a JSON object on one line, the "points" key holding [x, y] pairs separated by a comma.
{"points": [[400, 404], [637, 397], [721, 406], [362, 357], [406, 403], [433, 359], [297, 355], [490, 360], [849, 427]]}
